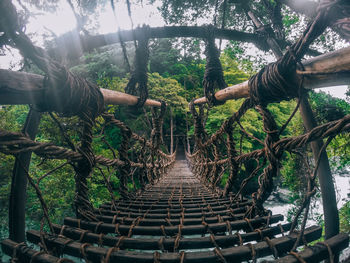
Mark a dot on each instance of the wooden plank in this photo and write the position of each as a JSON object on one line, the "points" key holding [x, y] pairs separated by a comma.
{"points": [[179, 210], [319, 252], [165, 215], [162, 221], [334, 61], [156, 205], [153, 244], [170, 230], [26, 88], [185, 200], [25, 253], [232, 254]]}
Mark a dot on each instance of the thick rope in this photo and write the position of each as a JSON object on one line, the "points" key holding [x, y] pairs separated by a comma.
{"points": [[139, 78], [213, 75]]}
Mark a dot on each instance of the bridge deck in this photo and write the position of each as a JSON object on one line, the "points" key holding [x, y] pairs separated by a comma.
{"points": [[178, 219]]}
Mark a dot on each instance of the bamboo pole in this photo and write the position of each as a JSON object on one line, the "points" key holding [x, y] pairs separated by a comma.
{"points": [[334, 61], [26, 88]]}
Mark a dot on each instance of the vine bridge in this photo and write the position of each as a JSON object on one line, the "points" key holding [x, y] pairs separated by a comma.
{"points": [[179, 213]]}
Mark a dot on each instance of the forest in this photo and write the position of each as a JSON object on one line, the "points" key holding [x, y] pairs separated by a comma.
{"points": [[175, 71]]}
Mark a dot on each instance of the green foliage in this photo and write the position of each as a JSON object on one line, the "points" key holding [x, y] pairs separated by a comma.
{"points": [[107, 62], [224, 179], [185, 11], [163, 57], [12, 118], [232, 73], [328, 108], [57, 190], [241, 54], [344, 214], [168, 90], [290, 19]]}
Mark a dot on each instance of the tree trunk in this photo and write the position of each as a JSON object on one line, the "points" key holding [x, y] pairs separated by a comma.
{"points": [[171, 132], [330, 211], [187, 138]]}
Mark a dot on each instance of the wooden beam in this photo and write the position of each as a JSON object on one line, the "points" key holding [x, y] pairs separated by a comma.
{"points": [[232, 254], [26, 88], [112, 97], [91, 42], [72, 44], [171, 230], [334, 61], [25, 253], [18, 196], [319, 251], [168, 242]]}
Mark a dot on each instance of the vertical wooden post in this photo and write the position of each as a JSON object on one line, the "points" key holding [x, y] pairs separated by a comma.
{"points": [[18, 196], [330, 211], [187, 138], [171, 132], [186, 118]]}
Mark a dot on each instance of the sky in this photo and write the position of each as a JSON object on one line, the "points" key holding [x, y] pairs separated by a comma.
{"points": [[63, 20], [336, 91]]}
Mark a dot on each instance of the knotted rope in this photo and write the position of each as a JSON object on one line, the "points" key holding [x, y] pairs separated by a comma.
{"points": [[199, 130], [139, 76], [157, 123], [277, 81], [213, 75], [232, 154]]}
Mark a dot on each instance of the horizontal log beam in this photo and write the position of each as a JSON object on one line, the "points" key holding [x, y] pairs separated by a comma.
{"points": [[338, 61], [26, 88], [73, 44], [112, 97], [90, 42]]}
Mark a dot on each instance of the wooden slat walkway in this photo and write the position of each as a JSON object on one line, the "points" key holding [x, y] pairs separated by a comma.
{"points": [[178, 219]]}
